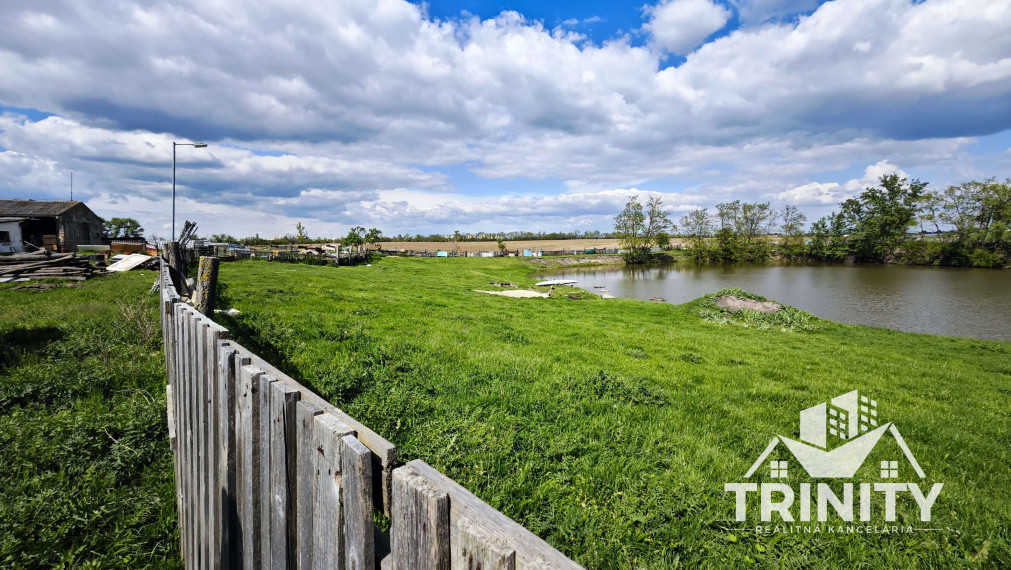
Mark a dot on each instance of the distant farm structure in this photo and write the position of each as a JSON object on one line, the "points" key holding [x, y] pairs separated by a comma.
{"points": [[55, 225]]}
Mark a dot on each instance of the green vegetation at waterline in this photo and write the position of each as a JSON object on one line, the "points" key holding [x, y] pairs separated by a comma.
{"points": [[85, 468], [609, 427]]}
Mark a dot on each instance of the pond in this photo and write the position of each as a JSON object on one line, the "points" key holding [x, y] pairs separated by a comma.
{"points": [[951, 301]]}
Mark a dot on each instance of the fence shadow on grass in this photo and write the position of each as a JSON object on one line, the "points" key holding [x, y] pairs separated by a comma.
{"points": [[21, 340]]}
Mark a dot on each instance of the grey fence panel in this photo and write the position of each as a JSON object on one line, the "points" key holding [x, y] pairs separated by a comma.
{"points": [[269, 474]]}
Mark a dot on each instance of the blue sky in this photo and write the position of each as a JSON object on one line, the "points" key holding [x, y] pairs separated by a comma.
{"points": [[429, 118]]}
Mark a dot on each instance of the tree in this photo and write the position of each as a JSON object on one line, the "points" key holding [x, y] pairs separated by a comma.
{"points": [[881, 217], [302, 235], [501, 246], [373, 238], [979, 214], [697, 226], [792, 231], [223, 238], [658, 221], [637, 230], [355, 239], [753, 220], [122, 228], [828, 238], [743, 230], [662, 240]]}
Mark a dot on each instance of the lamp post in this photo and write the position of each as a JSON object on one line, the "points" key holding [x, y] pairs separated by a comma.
{"points": [[174, 145]]}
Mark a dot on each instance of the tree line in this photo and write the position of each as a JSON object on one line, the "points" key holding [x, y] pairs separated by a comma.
{"points": [[897, 221]]}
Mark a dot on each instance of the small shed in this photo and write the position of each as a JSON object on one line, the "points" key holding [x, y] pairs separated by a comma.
{"points": [[54, 224], [10, 235]]}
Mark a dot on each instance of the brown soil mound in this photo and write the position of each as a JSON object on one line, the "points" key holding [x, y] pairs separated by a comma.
{"points": [[736, 304]]}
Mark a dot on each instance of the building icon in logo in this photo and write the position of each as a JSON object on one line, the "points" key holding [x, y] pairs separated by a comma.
{"points": [[835, 439]]}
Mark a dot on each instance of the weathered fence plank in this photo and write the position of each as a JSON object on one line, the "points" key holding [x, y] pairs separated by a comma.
{"points": [[478, 549], [305, 414], [420, 525], [204, 472], [263, 440], [531, 551], [192, 551], [356, 479], [283, 460], [247, 468], [226, 452], [327, 518], [180, 449], [384, 453]]}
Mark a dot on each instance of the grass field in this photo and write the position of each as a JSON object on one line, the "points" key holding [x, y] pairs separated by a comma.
{"points": [[609, 427], [85, 467]]}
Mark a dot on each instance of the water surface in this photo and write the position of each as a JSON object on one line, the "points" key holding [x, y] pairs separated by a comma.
{"points": [[950, 301]]}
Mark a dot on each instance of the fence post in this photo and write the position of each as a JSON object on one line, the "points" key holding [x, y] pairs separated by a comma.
{"points": [[207, 285]]}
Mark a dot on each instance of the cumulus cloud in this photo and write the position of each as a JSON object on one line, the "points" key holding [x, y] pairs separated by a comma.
{"points": [[831, 193], [679, 26]]}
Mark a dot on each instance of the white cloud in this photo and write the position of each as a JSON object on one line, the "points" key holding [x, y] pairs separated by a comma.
{"points": [[363, 99], [679, 26], [832, 193]]}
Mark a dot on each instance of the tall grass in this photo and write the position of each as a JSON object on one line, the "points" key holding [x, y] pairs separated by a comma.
{"points": [[85, 467]]}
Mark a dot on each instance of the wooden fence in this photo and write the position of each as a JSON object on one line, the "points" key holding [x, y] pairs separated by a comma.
{"points": [[270, 475]]}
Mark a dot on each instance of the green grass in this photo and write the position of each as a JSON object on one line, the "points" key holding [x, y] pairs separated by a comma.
{"points": [[609, 427], [85, 469]]}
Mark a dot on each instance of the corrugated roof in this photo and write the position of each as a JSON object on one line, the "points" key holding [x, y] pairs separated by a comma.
{"points": [[35, 207]]}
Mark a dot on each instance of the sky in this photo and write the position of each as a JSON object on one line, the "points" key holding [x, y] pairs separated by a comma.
{"points": [[492, 116]]}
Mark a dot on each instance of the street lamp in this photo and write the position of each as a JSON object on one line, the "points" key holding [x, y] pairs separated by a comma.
{"points": [[174, 145]]}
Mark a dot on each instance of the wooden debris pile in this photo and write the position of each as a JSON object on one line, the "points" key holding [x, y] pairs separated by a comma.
{"points": [[45, 265]]}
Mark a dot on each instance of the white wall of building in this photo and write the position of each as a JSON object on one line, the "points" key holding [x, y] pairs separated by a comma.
{"points": [[13, 244]]}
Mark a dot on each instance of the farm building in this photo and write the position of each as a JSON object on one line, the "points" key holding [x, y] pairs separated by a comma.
{"points": [[54, 224], [10, 235]]}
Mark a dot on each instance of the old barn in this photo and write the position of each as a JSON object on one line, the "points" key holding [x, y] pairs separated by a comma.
{"points": [[53, 224]]}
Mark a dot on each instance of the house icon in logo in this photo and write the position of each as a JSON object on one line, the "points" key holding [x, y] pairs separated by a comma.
{"points": [[835, 439]]}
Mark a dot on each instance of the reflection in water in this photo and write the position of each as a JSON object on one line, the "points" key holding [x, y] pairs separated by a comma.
{"points": [[937, 300]]}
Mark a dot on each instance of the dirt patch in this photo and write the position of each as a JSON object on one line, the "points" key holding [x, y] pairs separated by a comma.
{"points": [[735, 304], [519, 294]]}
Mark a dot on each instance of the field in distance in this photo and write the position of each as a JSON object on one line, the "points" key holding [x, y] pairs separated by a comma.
{"points": [[532, 245]]}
